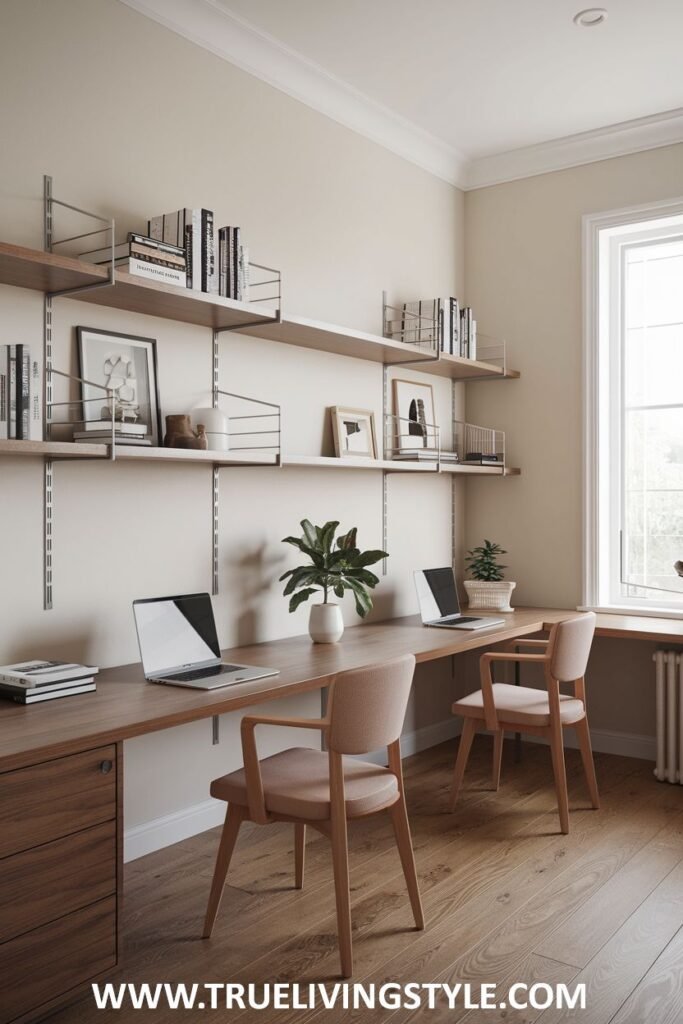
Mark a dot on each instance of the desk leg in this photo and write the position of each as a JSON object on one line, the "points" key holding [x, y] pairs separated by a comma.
{"points": [[518, 735], [323, 713]]}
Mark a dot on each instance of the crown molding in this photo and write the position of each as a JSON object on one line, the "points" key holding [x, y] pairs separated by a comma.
{"points": [[664, 129], [228, 36], [210, 25]]}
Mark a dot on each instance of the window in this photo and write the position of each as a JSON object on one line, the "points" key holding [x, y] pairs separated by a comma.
{"points": [[634, 411]]}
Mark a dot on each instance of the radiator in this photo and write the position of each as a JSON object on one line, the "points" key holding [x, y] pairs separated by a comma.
{"points": [[669, 683]]}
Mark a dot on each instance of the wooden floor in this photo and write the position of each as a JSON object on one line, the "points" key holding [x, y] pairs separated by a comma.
{"points": [[507, 899]]}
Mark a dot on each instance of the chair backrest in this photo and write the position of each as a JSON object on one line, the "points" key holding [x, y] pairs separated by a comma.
{"points": [[368, 705], [572, 639]]}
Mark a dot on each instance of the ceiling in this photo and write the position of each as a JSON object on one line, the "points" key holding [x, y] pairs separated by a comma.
{"points": [[470, 79], [490, 75]]}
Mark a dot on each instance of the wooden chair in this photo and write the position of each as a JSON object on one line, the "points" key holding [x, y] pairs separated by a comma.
{"points": [[366, 708], [499, 706]]}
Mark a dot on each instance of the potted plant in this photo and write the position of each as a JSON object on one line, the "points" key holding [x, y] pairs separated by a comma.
{"points": [[334, 567], [488, 588]]}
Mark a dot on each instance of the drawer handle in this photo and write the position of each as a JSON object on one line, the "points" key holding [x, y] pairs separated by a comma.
{"points": [[106, 767]]}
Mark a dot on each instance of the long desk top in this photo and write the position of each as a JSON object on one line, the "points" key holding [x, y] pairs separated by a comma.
{"points": [[125, 706]]}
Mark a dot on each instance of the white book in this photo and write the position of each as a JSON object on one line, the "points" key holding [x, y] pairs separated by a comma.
{"points": [[25, 691], [154, 272], [35, 426], [40, 672], [104, 427], [70, 691], [4, 392]]}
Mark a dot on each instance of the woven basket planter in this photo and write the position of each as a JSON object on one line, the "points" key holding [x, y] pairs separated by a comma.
{"points": [[494, 596]]}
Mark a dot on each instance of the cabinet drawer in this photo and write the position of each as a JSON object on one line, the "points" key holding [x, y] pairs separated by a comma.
{"points": [[53, 959], [54, 799], [40, 885]]}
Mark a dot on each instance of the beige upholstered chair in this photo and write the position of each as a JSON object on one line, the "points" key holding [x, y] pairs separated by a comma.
{"points": [[366, 708], [499, 706]]}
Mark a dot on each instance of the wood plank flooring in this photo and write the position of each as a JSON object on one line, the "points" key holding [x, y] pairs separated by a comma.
{"points": [[507, 898]]}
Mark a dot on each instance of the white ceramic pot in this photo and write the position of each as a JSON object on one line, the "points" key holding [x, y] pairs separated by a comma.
{"points": [[325, 624], [493, 596], [215, 423]]}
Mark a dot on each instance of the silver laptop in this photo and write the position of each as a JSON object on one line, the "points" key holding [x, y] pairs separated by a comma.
{"points": [[439, 604], [179, 644]]}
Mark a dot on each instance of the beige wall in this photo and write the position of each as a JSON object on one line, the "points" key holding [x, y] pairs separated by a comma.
{"points": [[132, 120], [524, 281]]}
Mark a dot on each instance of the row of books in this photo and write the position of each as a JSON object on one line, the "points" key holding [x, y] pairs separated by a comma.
{"points": [[33, 682], [100, 432], [221, 270], [21, 394], [442, 320]]}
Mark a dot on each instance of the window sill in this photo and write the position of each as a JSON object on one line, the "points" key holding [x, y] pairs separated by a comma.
{"points": [[645, 611]]}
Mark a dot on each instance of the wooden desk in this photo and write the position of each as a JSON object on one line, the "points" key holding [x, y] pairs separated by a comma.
{"points": [[61, 788]]}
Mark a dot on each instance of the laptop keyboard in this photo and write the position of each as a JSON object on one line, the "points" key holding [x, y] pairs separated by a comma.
{"points": [[204, 673], [460, 618]]}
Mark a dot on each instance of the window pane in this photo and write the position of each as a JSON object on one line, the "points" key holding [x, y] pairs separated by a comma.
{"points": [[653, 368], [653, 500]]}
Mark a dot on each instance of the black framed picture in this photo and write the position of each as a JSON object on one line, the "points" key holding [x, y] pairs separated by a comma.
{"points": [[127, 365]]}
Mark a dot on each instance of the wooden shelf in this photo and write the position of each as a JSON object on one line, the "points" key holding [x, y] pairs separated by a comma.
{"points": [[44, 271], [331, 462], [135, 453], [54, 449]]}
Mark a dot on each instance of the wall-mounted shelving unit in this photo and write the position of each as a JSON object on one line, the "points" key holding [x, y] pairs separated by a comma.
{"points": [[55, 274]]}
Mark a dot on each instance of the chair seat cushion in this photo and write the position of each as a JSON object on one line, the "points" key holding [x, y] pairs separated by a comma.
{"points": [[520, 705], [296, 783]]}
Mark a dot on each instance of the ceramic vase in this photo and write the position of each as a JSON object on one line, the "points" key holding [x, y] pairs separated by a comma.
{"points": [[326, 625]]}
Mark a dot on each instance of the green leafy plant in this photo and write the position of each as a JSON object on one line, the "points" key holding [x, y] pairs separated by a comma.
{"points": [[335, 566], [483, 565]]}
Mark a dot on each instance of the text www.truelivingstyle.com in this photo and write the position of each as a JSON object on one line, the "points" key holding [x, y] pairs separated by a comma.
{"points": [[388, 996]]}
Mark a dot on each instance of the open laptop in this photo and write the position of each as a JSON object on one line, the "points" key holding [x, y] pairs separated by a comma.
{"points": [[179, 644], [439, 604]]}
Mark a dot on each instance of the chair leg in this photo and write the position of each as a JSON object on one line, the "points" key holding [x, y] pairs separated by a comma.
{"points": [[469, 728], [498, 738], [299, 855], [340, 864], [559, 770], [399, 819], [584, 738], [233, 819]]}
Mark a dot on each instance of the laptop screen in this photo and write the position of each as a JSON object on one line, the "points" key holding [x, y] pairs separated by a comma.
{"points": [[175, 633], [436, 593]]}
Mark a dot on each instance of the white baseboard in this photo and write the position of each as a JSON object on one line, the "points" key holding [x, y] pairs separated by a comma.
{"points": [[604, 741], [171, 828], [190, 821]]}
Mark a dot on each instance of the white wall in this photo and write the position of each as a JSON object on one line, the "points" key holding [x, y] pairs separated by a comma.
{"points": [[524, 272], [133, 121]]}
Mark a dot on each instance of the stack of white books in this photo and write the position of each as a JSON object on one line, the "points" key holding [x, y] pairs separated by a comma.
{"points": [[31, 682], [99, 432]]}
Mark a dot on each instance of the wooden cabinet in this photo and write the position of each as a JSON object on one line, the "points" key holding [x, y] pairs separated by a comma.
{"points": [[60, 874]]}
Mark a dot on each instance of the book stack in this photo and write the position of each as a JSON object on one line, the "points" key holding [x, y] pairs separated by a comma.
{"points": [[425, 455], [99, 432], [437, 322], [468, 334], [233, 265], [21, 394], [33, 682], [191, 230], [147, 257]]}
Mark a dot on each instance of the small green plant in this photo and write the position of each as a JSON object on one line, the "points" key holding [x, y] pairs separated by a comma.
{"points": [[335, 565], [483, 565]]}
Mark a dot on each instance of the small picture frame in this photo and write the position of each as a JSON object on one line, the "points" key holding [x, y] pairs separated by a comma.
{"points": [[354, 433], [414, 417], [128, 365]]}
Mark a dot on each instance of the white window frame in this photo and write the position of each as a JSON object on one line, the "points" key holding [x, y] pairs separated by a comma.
{"points": [[596, 483]]}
